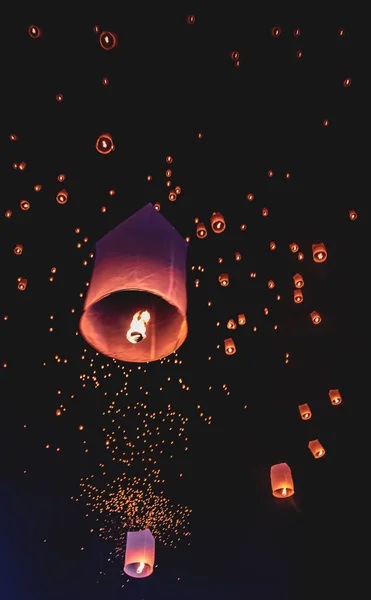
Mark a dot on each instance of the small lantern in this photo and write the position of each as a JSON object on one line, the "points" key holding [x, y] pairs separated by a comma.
{"points": [[104, 144], [316, 318], [139, 554], [62, 197], [271, 284], [319, 252], [316, 449], [300, 256], [352, 215], [223, 279], [217, 222], [241, 319], [237, 256], [298, 296], [22, 283], [201, 230], [229, 346], [231, 324], [335, 397], [272, 245], [18, 249], [281, 481], [294, 247], [298, 280], [305, 411], [107, 40]]}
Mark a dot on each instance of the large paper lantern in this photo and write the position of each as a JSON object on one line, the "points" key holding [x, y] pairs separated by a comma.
{"points": [[135, 308], [139, 554], [281, 481]]}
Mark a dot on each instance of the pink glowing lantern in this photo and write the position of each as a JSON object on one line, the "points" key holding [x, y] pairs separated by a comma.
{"points": [[281, 481], [140, 553], [135, 308]]}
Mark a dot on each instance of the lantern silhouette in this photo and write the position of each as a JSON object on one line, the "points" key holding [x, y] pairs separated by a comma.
{"points": [[223, 279], [298, 280], [316, 317], [229, 346], [316, 448], [217, 222], [335, 397], [319, 252], [135, 308], [298, 296], [305, 411], [139, 554], [241, 319], [281, 481], [201, 230]]}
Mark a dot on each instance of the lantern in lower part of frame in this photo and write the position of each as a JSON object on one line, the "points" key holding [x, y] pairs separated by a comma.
{"points": [[139, 554], [281, 481], [316, 448], [335, 397], [319, 252], [135, 308], [305, 411], [229, 346]]}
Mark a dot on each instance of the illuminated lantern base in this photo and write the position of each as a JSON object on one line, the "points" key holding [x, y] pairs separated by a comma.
{"points": [[140, 553], [139, 266]]}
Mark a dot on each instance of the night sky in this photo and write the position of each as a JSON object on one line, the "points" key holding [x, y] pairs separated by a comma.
{"points": [[253, 115]]}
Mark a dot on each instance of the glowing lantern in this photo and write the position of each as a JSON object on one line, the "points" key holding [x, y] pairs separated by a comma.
{"points": [[272, 245], [34, 31], [237, 256], [223, 279], [217, 222], [231, 324], [104, 144], [298, 280], [201, 230], [241, 319], [24, 204], [157, 206], [335, 397], [22, 283], [300, 256], [62, 197], [18, 249], [298, 296], [281, 481], [319, 252], [305, 412], [107, 40], [316, 318], [139, 554], [316, 448], [229, 346], [138, 284], [271, 284], [172, 196], [294, 247], [352, 215]]}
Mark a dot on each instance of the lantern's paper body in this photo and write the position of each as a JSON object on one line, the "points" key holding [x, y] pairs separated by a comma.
{"points": [[140, 265], [281, 481], [140, 553]]}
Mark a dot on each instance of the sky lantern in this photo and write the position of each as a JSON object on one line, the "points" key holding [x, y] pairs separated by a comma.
{"points": [[22, 283], [217, 222], [319, 252], [298, 296], [305, 411], [316, 448], [335, 397], [298, 280], [135, 307], [223, 279], [294, 247], [316, 317], [201, 230], [231, 324], [241, 319], [139, 554], [229, 346], [281, 481]]}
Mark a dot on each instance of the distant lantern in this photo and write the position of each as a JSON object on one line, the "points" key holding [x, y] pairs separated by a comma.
{"points": [[237, 256], [265, 212], [300, 256], [107, 40], [18, 249], [201, 230], [316, 318], [139, 553], [298, 296], [272, 245], [25, 205], [172, 196], [316, 448], [294, 247], [305, 411], [223, 279], [271, 284], [231, 324], [22, 283], [229, 346], [281, 481], [352, 215], [319, 252], [34, 31], [104, 144], [217, 222], [157, 206], [135, 308], [335, 397], [241, 319], [62, 197], [298, 280]]}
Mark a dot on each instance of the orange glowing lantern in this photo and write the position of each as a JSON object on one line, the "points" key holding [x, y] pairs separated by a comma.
{"points": [[265, 212], [305, 411], [22, 283], [300, 256], [316, 448], [281, 481], [298, 296], [319, 252], [62, 197], [229, 346], [157, 206], [316, 318], [139, 553], [107, 40], [18, 249], [352, 215], [294, 247], [135, 308], [201, 230], [223, 279], [272, 245], [298, 280], [231, 324], [241, 319], [237, 256], [104, 144], [172, 196], [217, 222], [34, 31], [24, 204], [335, 397], [271, 284]]}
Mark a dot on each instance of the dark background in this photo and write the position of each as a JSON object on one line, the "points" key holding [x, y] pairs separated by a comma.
{"points": [[169, 80]]}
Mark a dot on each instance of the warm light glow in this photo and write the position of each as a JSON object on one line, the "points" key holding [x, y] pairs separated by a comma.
{"points": [[137, 331], [140, 567]]}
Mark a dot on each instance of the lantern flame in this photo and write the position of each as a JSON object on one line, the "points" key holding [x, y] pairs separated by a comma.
{"points": [[284, 492], [140, 567], [137, 331]]}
